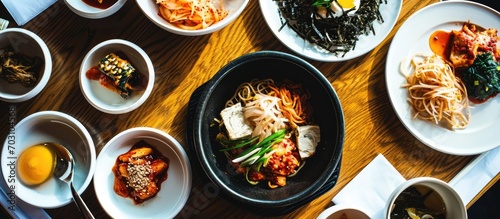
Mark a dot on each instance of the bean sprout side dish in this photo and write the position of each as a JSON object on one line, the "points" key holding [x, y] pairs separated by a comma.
{"points": [[434, 91], [266, 131]]}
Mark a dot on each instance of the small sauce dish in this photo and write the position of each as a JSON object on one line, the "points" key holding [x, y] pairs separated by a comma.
{"points": [[105, 99]]}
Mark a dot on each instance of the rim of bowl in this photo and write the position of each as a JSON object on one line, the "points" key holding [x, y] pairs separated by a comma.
{"points": [[218, 77], [145, 94], [424, 181], [47, 68], [340, 207], [173, 144], [97, 13], [215, 27], [91, 149]]}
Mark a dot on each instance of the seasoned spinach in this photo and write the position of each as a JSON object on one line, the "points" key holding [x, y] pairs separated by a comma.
{"points": [[482, 78]]}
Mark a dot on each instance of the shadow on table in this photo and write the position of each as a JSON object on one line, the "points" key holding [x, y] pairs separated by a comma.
{"points": [[487, 205]]}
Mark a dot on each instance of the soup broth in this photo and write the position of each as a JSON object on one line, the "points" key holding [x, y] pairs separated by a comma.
{"points": [[421, 201]]}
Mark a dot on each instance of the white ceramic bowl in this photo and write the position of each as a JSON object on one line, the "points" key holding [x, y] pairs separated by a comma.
{"points": [[150, 9], [50, 126], [27, 43], [455, 208], [174, 191], [84, 10], [336, 212], [109, 101]]}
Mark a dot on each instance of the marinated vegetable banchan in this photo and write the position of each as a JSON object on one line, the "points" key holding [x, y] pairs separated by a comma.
{"points": [[140, 172], [116, 73], [266, 131], [192, 14], [19, 68]]}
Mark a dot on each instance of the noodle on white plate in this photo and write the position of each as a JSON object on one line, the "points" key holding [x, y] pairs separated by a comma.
{"points": [[434, 91]]}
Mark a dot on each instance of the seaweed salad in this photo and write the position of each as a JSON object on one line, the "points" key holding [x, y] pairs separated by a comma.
{"points": [[335, 31]]}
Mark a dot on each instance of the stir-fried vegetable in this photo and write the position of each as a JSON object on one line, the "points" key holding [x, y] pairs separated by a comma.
{"points": [[482, 78]]}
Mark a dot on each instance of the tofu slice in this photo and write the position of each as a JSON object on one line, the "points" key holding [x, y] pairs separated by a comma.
{"points": [[236, 125], [308, 137]]}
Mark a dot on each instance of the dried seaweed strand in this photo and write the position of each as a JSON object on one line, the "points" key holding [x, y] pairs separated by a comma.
{"points": [[337, 34]]}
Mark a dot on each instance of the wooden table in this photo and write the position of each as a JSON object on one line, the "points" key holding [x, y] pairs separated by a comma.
{"points": [[184, 63]]}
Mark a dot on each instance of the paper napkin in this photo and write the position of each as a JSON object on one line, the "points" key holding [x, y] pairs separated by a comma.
{"points": [[371, 188], [476, 175], [24, 10]]}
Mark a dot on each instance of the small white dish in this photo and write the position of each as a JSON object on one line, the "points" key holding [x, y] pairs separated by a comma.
{"points": [[109, 101], [150, 9], [366, 43], [84, 10], [50, 126], [453, 204], [29, 44], [174, 191], [481, 134], [341, 210]]}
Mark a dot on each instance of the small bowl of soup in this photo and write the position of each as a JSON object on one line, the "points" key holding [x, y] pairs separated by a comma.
{"points": [[427, 198]]}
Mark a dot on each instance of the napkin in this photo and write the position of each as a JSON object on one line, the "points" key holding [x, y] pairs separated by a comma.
{"points": [[476, 175], [371, 188], [24, 10]]}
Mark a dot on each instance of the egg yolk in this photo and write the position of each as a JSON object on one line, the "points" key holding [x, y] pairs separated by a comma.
{"points": [[347, 4], [35, 164]]}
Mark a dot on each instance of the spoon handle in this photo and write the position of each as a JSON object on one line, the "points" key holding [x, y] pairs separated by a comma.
{"points": [[80, 204]]}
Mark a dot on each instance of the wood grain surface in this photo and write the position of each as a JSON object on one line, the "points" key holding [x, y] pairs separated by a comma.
{"points": [[184, 63]]}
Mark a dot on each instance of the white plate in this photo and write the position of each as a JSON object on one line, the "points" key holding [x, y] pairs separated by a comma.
{"points": [[482, 132], [174, 191], [289, 37]]}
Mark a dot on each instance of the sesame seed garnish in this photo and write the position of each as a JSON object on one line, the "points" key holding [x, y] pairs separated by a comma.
{"points": [[138, 176]]}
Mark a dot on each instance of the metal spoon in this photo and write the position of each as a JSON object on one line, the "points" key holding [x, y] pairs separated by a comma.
{"points": [[64, 171]]}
